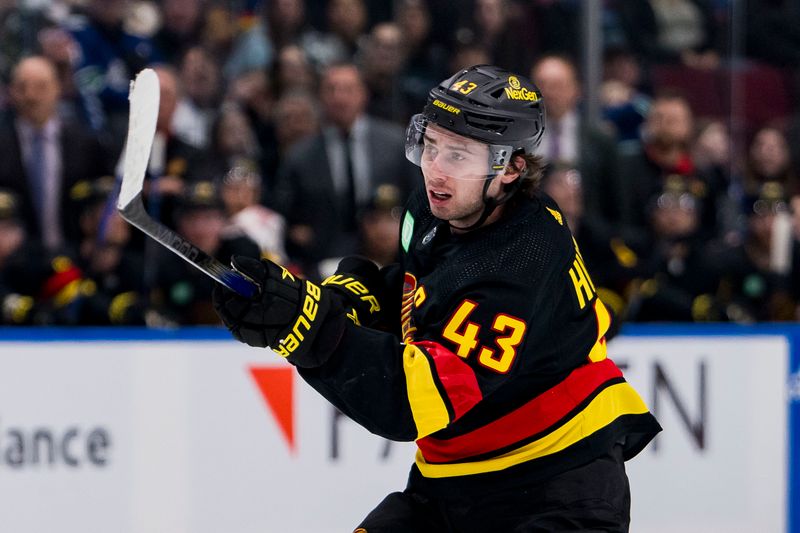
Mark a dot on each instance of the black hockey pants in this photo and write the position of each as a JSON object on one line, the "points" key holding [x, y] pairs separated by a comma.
{"points": [[594, 497]]}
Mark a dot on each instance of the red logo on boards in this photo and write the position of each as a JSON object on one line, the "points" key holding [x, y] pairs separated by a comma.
{"points": [[276, 385]]}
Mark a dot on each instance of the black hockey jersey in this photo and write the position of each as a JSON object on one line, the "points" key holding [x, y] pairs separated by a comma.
{"points": [[503, 356]]}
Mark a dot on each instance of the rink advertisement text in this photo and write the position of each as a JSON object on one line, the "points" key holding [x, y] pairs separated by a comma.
{"points": [[43, 446]]}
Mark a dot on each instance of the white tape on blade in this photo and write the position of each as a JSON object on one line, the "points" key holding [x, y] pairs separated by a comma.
{"points": [[144, 102]]}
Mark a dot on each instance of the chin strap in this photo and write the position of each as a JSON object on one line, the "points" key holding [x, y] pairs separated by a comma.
{"points": [[490, 204]]}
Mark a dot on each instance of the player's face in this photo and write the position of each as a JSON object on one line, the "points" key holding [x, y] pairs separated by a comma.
{"points": [[454, 168]]}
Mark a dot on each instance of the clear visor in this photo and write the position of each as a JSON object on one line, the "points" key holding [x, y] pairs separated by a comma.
{"points": [[436, 149]]}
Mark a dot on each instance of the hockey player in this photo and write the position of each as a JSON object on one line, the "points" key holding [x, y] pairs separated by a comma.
{"points": [[499, 372]]}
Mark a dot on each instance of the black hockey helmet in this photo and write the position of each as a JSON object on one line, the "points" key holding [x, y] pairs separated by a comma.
{"points": [[488, 104]]}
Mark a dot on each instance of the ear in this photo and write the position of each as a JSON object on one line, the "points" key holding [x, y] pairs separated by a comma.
{"points": [[513, 169]]}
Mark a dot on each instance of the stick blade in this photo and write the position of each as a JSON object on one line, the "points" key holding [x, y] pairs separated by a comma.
{"points": [[144, 101]]}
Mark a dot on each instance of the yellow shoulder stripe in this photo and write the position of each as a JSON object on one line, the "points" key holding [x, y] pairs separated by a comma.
{"points": [[556, 215], [599, 351], [427, 406]]}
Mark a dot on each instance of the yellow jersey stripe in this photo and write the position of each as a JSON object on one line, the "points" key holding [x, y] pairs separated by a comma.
{"points": [[427, 406]]}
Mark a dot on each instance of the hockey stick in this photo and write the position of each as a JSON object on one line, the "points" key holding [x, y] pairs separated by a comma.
{"points": [[144, 102]]}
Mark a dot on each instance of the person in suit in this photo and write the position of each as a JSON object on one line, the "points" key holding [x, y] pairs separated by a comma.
{"points": [[571, 140], [44, 155], [325, 179]]}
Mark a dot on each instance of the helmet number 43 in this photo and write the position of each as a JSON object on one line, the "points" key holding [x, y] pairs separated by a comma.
{"points": [[463, 86]]}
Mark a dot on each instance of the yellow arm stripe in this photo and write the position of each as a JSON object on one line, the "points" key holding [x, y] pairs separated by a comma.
{"points": [[615, 401], [427, 406], [599, 350]]}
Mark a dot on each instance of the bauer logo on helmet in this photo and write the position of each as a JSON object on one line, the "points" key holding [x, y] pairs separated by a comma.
{"points": [[447, 107]]}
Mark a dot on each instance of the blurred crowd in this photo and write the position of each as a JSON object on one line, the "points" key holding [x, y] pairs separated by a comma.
{"points": [[281, 134]]}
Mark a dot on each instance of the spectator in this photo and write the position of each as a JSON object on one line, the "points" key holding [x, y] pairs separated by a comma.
{"points": [[234, 144], [327, 178], [769, 160], [711, 148], [287, 22], [111, 267], [753, 283], [48, 289], [379, 226], [14, 307], [109, 57], [346, 21], [241, 194], [181, 29], [667, 135], [624, 105], [297, 117], [378, 230], [219, 30], [61, 49], [202, 82], [44, 155], [671, 31], [252, 93], [494, 28], [677, 281], [38, 286], [382, 61], [251, 49], [20, 33], [570, 139], [712, 156], [426, 62], [293, 71]]}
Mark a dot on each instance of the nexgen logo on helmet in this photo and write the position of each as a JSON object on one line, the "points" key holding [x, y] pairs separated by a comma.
{"points": [[521, 94], [516, 91]]}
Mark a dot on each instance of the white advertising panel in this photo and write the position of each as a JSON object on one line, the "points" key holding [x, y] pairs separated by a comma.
{"points": [[720, 465], [209, 436]]}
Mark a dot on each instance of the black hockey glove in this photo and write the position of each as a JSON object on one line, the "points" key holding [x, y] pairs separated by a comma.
{"points": [[296, 318], [361, 284]]}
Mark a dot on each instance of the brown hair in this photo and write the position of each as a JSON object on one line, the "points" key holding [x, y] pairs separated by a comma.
{"points": [[530, 178]]}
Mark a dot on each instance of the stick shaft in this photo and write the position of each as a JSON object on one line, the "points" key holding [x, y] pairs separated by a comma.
{"points": [[135, 213]]}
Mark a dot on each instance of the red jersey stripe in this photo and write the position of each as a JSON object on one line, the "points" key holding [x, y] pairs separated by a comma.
{"points": [[532, 418], [456, 376]]}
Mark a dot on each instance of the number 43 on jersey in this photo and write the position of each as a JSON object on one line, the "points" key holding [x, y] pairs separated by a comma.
{"points": [[464, 334]]}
